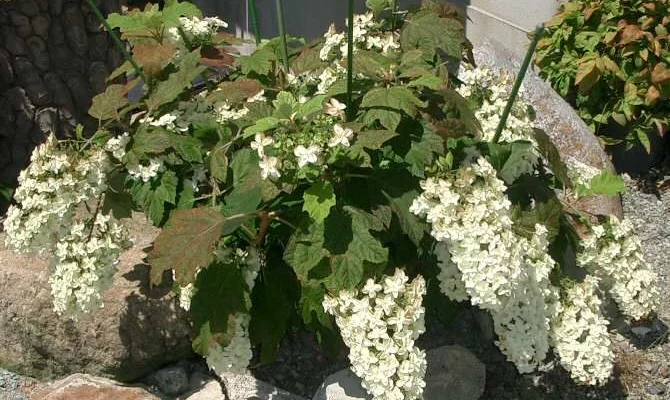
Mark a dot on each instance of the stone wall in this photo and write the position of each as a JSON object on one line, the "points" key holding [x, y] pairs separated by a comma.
{"points": [[54, 57]]}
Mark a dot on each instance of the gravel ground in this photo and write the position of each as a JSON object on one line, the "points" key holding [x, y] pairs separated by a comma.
{"points": [[645, 361], [12, 386]]}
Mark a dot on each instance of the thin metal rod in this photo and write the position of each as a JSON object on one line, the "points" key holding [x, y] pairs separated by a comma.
{"points": [[117, 41], [539, 31], [253, 12], [350, 61], [282, 33]]}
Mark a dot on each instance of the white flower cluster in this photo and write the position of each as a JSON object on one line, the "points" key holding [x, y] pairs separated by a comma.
{"points": [[523, 323], [364, 37], [196, 29], [305, 154], [471, 214], [235, 356], [380, 324], [49, 193], [117, 146], [612, 252], [145, 173], [481, 258], [50, 217], [580, 336], [490, 91], [86, 259], [224, 113]]}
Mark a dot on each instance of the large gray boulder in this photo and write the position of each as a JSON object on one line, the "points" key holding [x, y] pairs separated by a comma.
{"points": [[571, 136], [246, 387], [453, 373], [138, 330]]}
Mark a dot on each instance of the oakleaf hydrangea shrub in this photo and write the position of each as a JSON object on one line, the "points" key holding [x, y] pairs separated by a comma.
{"points": [[284, 206]]}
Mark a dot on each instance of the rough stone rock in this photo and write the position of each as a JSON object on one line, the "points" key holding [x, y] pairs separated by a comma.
{"points": [[210, 390], [55, 7], [6, 70], [76, 30], [138, 330], [246, 387], [82, 386], [453, 373], [28, 7], [15, 45], [81, 92], [59, 92], [47, 119], [97, 47], [38, 52], [25, 71], [21, 23], [41, 24], [558, 119], [97, 76], [38, 93]]}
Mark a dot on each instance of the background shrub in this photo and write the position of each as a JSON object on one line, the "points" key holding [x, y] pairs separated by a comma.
{"points": [[611, 60]]}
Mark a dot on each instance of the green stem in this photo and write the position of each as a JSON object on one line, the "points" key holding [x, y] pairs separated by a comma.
{"points": [[254, 21], [350, 62], [517, 84], [394, 16], [117, 41], [282, 33]]}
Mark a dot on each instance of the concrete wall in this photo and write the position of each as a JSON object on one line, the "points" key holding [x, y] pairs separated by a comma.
{"points": [[508, 21]]}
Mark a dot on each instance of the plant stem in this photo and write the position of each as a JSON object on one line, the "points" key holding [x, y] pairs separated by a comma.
{"points": [[254, 21], [350, 61], [517, 84], [394, 16], [282, 33], [117, 41]]}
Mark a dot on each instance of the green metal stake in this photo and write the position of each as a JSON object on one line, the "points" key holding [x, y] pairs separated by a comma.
{"points": [[282, 33], [117, 41], [350, 62], [254, 21], [539, 31]]}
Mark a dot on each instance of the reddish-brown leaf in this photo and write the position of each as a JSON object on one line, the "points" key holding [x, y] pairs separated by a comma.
{"points": [[236, 91], [630, 34], [660, 73], [187, 241], [652, 96], [216, 57], [588, 75], [154, 56]]}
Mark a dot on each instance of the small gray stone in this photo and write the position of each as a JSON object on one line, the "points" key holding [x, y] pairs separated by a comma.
{"points": [[342, 385], [453, 373], [656, 389], [246, 387], [209, 390], [171, 381]]}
